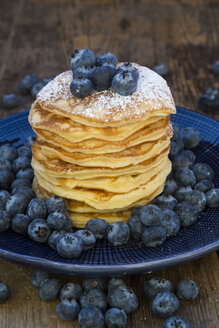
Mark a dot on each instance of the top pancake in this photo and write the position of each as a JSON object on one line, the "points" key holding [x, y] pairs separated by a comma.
{"points": [[108, 108]]}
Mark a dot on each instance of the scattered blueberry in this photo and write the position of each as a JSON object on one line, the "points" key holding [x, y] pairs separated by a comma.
{"points": [[106, 57], [165, 304], [180, 161], [10, 101], [188, 153], [37, 209], [90, 283], [118, 233], [174, 149], [203, 171], [115, 318], [69, 246], [190, 137], [154, 236], [124, 298], [176, 131], [68, 309], [187, 212], [71, 291], [56, 203], [175, 322], [215, 67], [98, 227], [102, 78], [91, 317], [124, 83], [17, 204], [180, 144], [129, 67], [54, 238], [171, 222], [8, 151], [136, 227], [82, 57], [181, 192], [209, 102], [19, 183], [114, 283], [4, 197], [150, 215], [185, 177], [57, 221], [4, 221], [27, 83], [29, 141], [26, 192], [83, 72], [87, 238], [26, 174], [197, 198], [212, 197], [20, 163], [170, 186], [20, 222], [5, 164], [6, 178], [166, 201], [187, 290], [204, 185], [24, 151], [161, 69], [156, 285], [49, 289], [38, 277], [5, 292], [94, 297], [38, 230], [136, 211], [81, 87]]}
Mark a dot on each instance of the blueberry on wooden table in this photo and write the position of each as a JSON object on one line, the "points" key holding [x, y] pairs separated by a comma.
{"points": [[123, 297], [27, 83], [49, 289], [38, 277], [10, 101], [68, 309], [5, 292], [156, 285], [187, 290], [165, 304], [115, 318], [90, 283], [175, 322], [115, 282], [71, 291], [93, 297], [91, 317]]}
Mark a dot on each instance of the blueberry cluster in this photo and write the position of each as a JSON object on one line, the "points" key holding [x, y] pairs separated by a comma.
{"points": [[165, 302], [100, 73], [94, 304]]}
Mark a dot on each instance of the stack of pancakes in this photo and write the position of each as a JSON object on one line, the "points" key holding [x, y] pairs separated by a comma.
{"points": [[106, 153]]}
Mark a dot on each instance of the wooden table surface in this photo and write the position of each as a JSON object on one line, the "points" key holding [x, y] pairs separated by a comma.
{"points": [[37, 37]]}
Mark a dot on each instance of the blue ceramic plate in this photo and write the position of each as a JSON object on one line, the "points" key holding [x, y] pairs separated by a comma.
{"points": [[190, 243]]}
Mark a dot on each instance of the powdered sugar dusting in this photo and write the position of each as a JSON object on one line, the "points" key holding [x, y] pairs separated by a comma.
{"points": [[152, 93]]}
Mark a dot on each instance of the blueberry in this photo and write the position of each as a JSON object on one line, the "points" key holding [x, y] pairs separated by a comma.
{"points": [[38, 230], [115, 318], [180, 144], [197, 198], [81, 87], [26, 192], [212, 197], [20, 222], [27, 83], [165, 304], [171, 222], [209, 102], [58, 221], [5, 292], [204, 185], [5, 164], [71, 291], [187, 290], [111, 68], [129, 67], [136, 211], [190, 137], [37, 209], [8, 151], [83, 72], [24, 151], [49, 289], [156, 285], [180, 161], [90, 283], [69, 246], [174, 149], [38, 277], [118, 233], [106, 57], [102, 78], [187, 212], [114, 283], [6, 178], [68, 309], [56, 204], [181, 192], [4, 197], [26, 174], [124, 83], [150, 215], [124, 298], [203, 171], [29, 141], [136, 227], [4, 221], [98, 227], [46, 80], [166, 201], [36, 89], [17, 204], [188, 153], [94, 297], [91, 317], [82, 57], [161, 69], [10, 101], [20, 163], [170, 186], [87, 238], [154, 236], [175, 322], [215, 67], [19, 183], [54, 238], [185, 177], [176, 131]]}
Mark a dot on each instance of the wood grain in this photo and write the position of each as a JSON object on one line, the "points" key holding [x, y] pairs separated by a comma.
{"points": [[37, 37]]}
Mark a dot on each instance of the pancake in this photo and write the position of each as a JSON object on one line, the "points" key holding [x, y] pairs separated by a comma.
{"points": [[108, 108]]}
